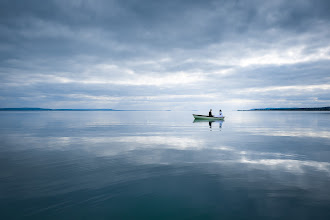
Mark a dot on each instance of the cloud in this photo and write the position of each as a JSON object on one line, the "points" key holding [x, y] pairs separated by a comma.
{"points": [[229, 50]]}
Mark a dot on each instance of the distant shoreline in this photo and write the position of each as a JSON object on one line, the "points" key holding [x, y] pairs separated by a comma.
{"points": [[289, 109], [48, 109]]}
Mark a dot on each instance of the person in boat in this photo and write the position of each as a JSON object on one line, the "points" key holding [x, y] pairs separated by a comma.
{"points": [[220, 114], [210, 113]]}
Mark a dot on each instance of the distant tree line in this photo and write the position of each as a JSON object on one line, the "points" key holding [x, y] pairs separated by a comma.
{"points": [[290, 109]]}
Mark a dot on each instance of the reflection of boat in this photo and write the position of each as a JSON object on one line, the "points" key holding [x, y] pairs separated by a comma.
{"points": [[206, 117], [202, 120], [209, 122]]}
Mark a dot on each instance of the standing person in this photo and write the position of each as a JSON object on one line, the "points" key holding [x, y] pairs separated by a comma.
{"points": [[210, 113]]}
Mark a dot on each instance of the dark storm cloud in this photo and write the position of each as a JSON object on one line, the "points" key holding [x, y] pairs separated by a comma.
{"points": [[81, 50], [169, 24]]}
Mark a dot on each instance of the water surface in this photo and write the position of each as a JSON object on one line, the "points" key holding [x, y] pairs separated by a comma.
{"points": [[164, 165]]}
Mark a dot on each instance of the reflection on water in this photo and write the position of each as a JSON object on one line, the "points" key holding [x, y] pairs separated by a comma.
{"points": [[218, 123], [129, 165]]}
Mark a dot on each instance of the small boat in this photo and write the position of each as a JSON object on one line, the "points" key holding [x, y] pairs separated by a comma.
{"points": [[206, 117]]}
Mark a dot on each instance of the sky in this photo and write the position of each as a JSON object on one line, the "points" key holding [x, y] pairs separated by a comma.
{"points": [[158, 55]]}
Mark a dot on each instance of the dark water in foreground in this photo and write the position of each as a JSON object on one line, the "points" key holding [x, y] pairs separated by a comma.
{"points": [[161, 165]]}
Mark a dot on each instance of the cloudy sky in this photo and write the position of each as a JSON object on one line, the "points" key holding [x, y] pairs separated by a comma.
{"points": [[173, 54]]}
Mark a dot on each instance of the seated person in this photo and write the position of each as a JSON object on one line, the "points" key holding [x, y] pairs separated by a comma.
{"points": [[210, 113], [220, 114]]}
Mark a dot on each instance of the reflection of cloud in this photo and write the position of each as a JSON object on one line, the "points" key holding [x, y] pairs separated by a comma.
{"points": [[224, 148], [296, 166], [154, 148], [319, 134], [179, 143], [290, 132], [280, 162], [132, 142]]}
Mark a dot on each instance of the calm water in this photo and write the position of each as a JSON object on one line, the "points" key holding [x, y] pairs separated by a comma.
{"points": [[162, 165]]}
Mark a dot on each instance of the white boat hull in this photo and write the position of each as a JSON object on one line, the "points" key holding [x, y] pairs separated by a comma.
{"points": [[206, 117]]}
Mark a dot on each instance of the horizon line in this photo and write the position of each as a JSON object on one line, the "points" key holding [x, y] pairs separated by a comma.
{"points": [[74, 109]]}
